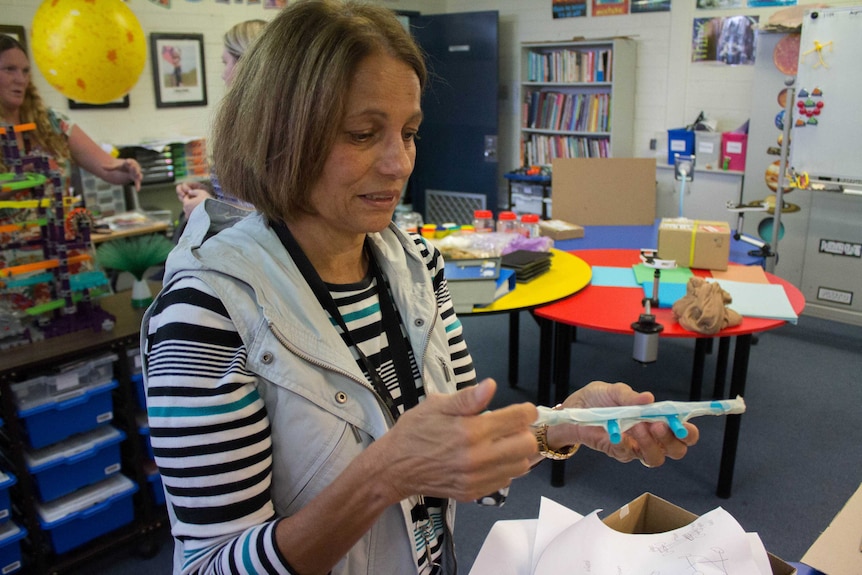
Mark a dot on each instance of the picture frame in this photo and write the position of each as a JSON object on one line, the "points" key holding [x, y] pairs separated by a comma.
{"points": [[16, 32], [118, 103], [179, 74]]}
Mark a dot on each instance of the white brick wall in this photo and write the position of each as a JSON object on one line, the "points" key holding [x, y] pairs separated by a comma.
{"points": [[671, 91]]}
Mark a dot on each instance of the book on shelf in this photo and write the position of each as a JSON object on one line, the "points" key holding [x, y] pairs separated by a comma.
{"points": [[567, 65]]}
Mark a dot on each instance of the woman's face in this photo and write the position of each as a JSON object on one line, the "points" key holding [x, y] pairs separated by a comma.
{"points": [[229, 61], [374, 150], [14, 78]]}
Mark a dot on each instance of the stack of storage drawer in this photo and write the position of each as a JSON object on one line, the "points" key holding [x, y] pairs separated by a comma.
{"points": [[73, 453], [190, 159], [10, 533]]}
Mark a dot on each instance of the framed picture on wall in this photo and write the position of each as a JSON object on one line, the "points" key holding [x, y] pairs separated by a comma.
{"points": [[16, 32], [118, 103], [179, 76]]}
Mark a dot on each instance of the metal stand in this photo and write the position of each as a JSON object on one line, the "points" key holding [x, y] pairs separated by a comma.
{"points": [[782, 169], [683, 172]]}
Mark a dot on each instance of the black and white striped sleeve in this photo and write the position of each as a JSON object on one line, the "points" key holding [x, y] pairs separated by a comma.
{"points": [[210, 435]]}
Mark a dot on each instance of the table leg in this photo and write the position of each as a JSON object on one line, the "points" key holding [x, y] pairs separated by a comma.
{"points": [[732, 423], [514, 335], [721, 367], [701, 344], [546, 342], [562, 364]]}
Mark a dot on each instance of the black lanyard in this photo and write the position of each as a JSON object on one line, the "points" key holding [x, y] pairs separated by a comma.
{"points": [[391, 323]]}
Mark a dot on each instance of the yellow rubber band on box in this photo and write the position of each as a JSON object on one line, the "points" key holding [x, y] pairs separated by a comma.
{"points": [[693, 239]]}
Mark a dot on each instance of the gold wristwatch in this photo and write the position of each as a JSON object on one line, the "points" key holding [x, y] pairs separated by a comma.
{"points": [[548, 453]]}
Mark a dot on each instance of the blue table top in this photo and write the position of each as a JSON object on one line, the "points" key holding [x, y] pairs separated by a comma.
{"points": [[637, 237]]}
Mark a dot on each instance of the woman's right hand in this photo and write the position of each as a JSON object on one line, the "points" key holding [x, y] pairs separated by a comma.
{"points": [[450, 446]]}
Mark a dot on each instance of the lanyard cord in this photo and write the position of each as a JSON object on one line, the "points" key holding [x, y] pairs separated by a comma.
{"points": [[388, 312]]}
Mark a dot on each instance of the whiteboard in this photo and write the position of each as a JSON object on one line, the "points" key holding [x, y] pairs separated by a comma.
{"points": [[828, 145]]}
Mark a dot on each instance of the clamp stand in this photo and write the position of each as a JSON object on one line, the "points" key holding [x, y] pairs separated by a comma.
{"points": [[646, 328], [764, 250], [683, 172]]}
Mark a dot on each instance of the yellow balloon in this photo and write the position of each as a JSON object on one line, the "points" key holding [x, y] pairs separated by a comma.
{"points": [[92, 51]]}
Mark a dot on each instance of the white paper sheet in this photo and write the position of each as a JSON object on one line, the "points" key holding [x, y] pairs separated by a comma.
{"points": [[713, 544], [563, 542]]}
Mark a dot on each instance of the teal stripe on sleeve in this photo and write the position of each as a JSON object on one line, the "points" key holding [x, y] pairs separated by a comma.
{"points": [[204, 411]]}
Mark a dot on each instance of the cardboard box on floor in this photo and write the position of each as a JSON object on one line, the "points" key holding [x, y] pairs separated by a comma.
{"points": [[694, 243], [652, 514], [604, 191], [838, 551]]}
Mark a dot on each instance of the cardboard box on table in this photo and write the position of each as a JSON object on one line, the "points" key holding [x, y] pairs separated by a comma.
{"points": [[560, 230], [652, 514], [694, 243]]}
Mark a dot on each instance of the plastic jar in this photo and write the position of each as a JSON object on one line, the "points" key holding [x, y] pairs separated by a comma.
{"points": [[409, 221], [529, 226], [428, 231], [507, 222], [483, 221]]}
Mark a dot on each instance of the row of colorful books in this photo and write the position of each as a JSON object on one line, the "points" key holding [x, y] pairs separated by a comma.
{"points": [[540, 150], [570, 66], [562, 111]]}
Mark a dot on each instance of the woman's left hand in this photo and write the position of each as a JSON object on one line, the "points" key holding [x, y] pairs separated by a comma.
{"points": [[132, 169], [649, 442]]}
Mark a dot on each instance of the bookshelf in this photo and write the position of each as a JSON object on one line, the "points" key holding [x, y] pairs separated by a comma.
{"points": [[577, 99]]}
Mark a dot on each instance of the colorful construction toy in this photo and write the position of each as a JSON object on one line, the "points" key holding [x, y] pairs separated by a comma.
{"points": [[48, 274]]}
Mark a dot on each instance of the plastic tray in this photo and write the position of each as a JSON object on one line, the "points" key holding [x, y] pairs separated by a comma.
{"points": [[81, 460], [10, 547], [50, 422], [92, 511], [7, 480], [71, 381]]}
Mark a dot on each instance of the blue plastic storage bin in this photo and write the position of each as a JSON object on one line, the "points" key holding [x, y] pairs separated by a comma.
{"points": [[81, 460], [58, 418], [10, 547], [95, 510], [679, 141], [7, 480]]}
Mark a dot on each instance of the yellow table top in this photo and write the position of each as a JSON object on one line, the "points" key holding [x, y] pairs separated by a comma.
{"points": [[568, 275]]}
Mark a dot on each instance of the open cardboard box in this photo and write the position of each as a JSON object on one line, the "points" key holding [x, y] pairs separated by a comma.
{"points": [[652, 514]]}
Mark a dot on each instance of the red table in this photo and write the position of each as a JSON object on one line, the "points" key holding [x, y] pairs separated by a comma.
{"points": [[614, 309]]}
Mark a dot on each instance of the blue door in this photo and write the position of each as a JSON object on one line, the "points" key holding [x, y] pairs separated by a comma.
{"points": [[457, 147]]}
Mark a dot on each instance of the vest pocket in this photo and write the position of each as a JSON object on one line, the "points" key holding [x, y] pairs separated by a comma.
{"points": [[293, 490]]}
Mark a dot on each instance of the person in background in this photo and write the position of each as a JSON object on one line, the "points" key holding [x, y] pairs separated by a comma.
{"points": [[313, 405], [236, 42], [55, 135]]}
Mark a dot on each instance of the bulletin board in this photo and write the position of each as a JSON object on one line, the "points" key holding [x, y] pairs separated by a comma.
{"points": [[827, 125]]}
